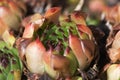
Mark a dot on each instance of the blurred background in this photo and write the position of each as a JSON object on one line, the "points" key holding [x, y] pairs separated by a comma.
{"points": [[67, 5]]}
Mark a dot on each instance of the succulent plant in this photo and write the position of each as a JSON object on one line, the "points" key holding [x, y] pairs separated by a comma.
{"points": [[10, 64], [60, 45], [52, 46]]}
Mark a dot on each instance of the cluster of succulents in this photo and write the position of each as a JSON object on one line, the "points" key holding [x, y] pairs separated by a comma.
{"points": [[51, 45]]}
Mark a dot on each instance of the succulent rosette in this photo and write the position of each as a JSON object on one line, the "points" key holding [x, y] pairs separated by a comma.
{"points": [[10, 64], [57, 47]]}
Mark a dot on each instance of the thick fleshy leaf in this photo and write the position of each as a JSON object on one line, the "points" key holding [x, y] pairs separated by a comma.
{"points": [[73, 61], [77, 47], [48, 64], [78, 17], [57, 64], [61, 64], [34, 56], [29, 30], [53, 14], [84, 32], [89, 47], [35, 18]]}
